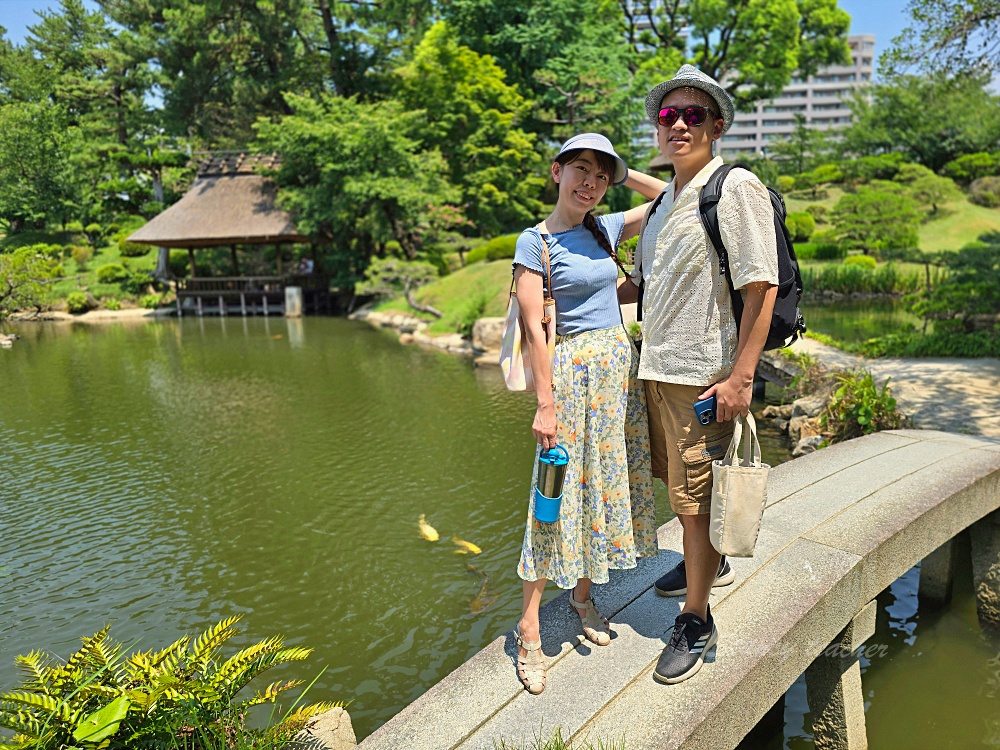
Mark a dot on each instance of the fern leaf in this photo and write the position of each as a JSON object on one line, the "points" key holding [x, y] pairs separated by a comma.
{"points": [[271, 692], [35, 670], [47, 703], [91, 652], [208, 643]]}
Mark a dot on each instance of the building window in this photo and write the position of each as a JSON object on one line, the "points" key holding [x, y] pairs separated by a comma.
{"points": [[777, 123], [824, 107], [866, 77], [740, 137], [786, 108], [744, 125], [866, 61]]}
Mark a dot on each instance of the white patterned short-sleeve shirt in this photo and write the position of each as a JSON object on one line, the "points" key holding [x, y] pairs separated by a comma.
{"points": [[688, 331]]}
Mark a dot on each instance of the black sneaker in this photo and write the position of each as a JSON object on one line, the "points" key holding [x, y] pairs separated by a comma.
{"points": [[675, 582], [683, 656]]}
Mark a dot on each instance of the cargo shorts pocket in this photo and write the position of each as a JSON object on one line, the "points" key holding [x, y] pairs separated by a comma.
{"points": [[697, 455]]}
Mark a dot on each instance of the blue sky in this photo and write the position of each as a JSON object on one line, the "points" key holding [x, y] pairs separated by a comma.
{"points": [[884, 18]]}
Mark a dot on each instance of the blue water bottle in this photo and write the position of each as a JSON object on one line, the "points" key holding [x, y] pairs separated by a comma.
{"points": [[549, 488]]}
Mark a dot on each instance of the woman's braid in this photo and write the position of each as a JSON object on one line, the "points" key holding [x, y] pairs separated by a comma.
{"points": [[590, 223]]}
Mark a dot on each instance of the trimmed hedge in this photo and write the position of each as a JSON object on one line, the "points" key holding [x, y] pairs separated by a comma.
{"points": [[862, 261], [111, 273]]}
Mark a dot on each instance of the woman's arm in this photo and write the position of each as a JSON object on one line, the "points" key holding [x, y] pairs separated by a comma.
{"points": [[646, 185], [529, 299], [628, 292], [649, 187]]}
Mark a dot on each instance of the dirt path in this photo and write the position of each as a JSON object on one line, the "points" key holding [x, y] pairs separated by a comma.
{"points": [[957, 395]]}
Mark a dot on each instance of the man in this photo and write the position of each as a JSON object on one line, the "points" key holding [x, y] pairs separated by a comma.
{"points": [[690, 346]]}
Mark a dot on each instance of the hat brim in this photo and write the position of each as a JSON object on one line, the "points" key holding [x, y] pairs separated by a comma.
{"points": [[718, 94]]}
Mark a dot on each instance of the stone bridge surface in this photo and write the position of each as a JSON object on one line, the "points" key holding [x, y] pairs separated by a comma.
{"points": [[840, 525]]}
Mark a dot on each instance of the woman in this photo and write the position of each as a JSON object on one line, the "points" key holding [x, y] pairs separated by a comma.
{"points": [[607, 515]]}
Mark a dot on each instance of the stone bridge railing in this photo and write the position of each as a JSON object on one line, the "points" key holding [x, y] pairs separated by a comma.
{"points": [[840, 526]]}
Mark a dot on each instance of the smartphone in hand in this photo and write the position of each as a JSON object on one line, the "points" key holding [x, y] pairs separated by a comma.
{"points": [[704, 410]]}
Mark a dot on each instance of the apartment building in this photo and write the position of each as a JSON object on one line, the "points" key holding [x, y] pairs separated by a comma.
{"points": [[822, 99]]}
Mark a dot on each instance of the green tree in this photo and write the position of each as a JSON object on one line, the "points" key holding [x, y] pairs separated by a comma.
{"points": [[355, 177], [471, 115], [754, 46], [36, 183], [947, 35], [971, 167], [872, 220], [927, 188], [895, 116], [804, 149], [23, 276]]}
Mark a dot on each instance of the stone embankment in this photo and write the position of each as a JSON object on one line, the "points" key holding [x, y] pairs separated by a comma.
{"points": [[328, 731], [411, 330], [800, 420]]}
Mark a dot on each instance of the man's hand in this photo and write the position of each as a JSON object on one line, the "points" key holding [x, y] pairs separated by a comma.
{"points": [[731, 398]]}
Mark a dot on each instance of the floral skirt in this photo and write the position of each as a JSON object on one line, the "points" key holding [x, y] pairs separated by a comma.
{"points": [[608, 516]]}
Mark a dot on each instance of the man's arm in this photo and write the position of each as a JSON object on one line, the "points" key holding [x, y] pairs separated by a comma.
{"points": [[734, 393]]}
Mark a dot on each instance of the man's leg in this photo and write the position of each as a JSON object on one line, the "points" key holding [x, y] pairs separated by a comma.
{"points": [[702, 563]]}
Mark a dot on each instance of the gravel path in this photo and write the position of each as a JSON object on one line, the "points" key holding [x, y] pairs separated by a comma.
{"points": [[956, 395]]}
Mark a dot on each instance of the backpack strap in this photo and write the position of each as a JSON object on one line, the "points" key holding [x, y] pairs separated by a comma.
{"points": [[638, 248], [708, 209]]}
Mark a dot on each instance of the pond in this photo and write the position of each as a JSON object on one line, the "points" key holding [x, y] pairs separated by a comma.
{"points": [[855, 321], [161, 476]]}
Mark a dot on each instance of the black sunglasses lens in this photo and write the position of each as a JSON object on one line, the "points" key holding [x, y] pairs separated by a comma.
{"points": [[668, 116]]}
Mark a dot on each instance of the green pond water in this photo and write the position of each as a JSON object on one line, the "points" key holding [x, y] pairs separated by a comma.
{"points": [[855, 321], [161, 476]]}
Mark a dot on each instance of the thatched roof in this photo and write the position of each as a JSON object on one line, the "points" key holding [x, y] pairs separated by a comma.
{"points": [[228, 204]]}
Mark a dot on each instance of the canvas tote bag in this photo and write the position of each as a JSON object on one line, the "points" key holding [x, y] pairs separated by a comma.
{"points": [[739, 491], [514, 361]]}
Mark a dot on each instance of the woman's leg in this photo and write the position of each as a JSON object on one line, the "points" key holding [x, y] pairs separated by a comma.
{"points": [[530, 659], [528, 627], [596, 627]]}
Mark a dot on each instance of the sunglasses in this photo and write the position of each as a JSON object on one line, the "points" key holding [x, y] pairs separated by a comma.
{"points": [[693, 116]]}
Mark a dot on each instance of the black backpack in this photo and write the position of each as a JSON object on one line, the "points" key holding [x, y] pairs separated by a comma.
{"points": [[786, 320]]}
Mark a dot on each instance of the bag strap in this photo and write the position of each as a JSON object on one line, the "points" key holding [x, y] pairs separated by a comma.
{"points": [[638, 247], [751, 449], [547, 278]]}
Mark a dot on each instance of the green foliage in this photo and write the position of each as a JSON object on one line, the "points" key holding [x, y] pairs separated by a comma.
{"points": [[936, 344], [136, 282], [845, 278], [476, 254], [872, 219], [471, 115], [81, 255], [805, 250], [862, 261], [985, 191], [860, 407], [77, 302], [800, 225], [111, 273], [969, 167], [472, 310], [132, 249], [819, 178], [178, 264], [24, 273], [786, 183], [827, 246], [101, 699], [973, 286], [355, 176], [502, 247], [947, 36], [112, 304], [872, 167], [556, 741], [150, 301], [892, 117], [925, 187], [818, 211], [389, 277]]}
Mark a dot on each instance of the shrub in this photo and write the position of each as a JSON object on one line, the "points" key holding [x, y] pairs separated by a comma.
{"points": [[805, 250], [94, 232], [969, 167], [858, 407], [179, 264], [845, 278], [81, 255], [501, 247], [99, 698], [132, 249], [626, 249], [818, 211], [786, 183], [150, 301], [76, 302], [74, 227], [471, 311], [475, 255], [112, 304], [111, 273], [985, 192], [136, 282], [827, 247], [23, 277], [800, 225], [862, 261]]}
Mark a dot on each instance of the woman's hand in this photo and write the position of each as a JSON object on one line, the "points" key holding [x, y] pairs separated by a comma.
{"points": [[545, 425]]}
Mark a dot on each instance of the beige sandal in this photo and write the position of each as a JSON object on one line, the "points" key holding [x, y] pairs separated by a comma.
{"points": [[596, 627], [531, 668]]}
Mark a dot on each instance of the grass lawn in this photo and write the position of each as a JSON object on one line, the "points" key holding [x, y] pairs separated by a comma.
{"points": [[479, 290], [962, 223]]}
